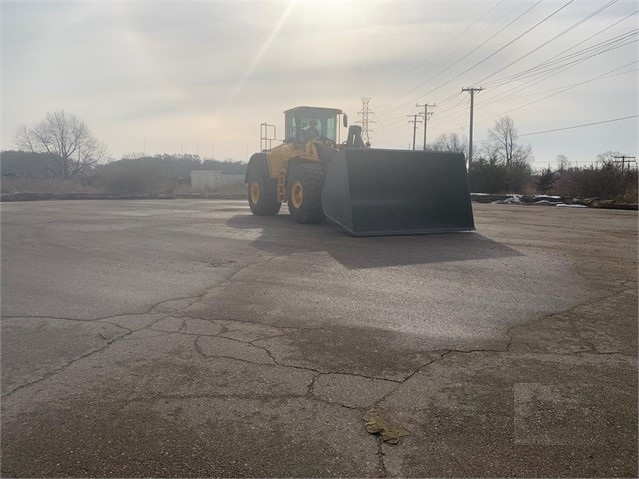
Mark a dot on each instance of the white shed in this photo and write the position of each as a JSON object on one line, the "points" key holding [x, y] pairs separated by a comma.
{"points": [[205, 179]]}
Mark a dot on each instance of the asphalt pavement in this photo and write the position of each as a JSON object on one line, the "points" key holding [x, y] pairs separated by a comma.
{"points": [[189, 338]]}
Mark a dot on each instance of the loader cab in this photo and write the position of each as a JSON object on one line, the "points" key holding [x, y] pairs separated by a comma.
{"points": [[305, 123]]}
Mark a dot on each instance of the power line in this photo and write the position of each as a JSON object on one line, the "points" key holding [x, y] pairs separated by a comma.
{"points": [[382, 132], [561, 90], [392, 142], [495, 52], [588, 17], [551, 67], [436, 52], [506, 45], [536, 81], [601, 77], [500, 97], [559, 57], [455, 63], [587, 53], [580, 126]]}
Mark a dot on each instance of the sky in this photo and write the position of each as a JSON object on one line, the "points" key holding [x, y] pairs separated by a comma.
{"points": [[200, 77]]}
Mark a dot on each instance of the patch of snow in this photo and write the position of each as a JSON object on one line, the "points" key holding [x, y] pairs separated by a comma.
{"points": [[571, 206], [512, 199]]}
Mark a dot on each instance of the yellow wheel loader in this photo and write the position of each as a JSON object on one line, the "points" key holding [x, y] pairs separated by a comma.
{"points": [[366, 191]]}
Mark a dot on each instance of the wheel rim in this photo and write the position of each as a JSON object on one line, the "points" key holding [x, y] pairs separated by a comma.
{"points": [[255, 192], [297, 194]]}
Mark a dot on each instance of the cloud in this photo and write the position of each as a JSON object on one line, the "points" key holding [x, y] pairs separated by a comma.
{"points": [[171, 71]]}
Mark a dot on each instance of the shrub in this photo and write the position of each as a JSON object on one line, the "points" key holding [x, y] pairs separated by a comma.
{"points": [[606, 181], [43, 185], [495, 176]]}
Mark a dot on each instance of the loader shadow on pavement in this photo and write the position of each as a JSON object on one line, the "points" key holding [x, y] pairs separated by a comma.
{"points": [[280, 234]]}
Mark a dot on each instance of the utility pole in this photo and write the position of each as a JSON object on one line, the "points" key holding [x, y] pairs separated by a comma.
{"points": [[623, 160], [427, 114], [365, 121], [472, 106], [414, 121]]}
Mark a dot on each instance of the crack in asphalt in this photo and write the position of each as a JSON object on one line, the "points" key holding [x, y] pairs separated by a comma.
{"points": [[207, 290], [276, 363], [182, 327], [444, 353], [251, 396], [604, 353], [511, 339], [150, 310], [310, 393], [380, 455], [64, 366], [589, 344], [250, 321], [226, 328], [183, 330], [72, 320], [578, 331]]}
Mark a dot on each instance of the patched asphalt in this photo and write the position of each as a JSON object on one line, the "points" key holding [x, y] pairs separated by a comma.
{"points": [[190, 338]]}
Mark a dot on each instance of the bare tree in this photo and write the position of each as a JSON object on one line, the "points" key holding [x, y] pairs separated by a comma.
{"points": [[562, 162], [608, 158], [505, 140], [450, 142], [66, 142]]}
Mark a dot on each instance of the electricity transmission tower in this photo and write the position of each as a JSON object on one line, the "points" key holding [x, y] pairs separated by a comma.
{"points": [[427, 114], [472, 106], [365, 121]]}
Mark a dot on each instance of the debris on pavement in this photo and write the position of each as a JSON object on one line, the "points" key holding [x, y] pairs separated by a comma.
{"points": [[376, 423]]}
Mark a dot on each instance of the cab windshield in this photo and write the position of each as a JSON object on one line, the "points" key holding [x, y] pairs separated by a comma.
{"points": [[302, 128]]}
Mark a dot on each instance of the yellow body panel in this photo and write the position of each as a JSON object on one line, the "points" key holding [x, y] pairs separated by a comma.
{"points": [[278, 157]]}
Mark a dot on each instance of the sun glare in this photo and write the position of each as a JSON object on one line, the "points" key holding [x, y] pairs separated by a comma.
{"points": [[260, 54]]}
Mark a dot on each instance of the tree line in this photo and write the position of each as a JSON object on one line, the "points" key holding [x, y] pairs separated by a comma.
{"points": [[62, 147], [161, 173], [502, 165]]}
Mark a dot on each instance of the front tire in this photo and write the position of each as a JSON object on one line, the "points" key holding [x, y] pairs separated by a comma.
{"points": [[262, 189], [304, 192]]}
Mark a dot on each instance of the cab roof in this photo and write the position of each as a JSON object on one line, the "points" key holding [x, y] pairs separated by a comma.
{"points": [[307, 109]]}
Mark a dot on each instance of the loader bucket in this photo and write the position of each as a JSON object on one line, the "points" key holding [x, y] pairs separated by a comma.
{"points": [[372, 192]]}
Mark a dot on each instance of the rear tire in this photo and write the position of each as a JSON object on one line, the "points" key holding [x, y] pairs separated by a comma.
{"points": [[304, 192], [262, 189]]}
